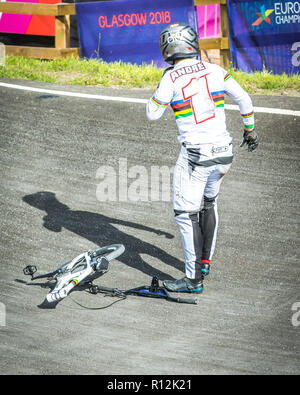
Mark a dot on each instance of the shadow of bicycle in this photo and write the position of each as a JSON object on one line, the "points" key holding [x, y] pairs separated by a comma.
{"points": [[100, 230]]}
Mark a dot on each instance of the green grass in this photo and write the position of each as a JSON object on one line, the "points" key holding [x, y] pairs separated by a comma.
{"points": [[81, 72], [76, 71], [268, 83]]}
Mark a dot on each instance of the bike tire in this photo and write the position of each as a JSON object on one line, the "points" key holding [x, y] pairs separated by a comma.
{"points": [[110, 252]]}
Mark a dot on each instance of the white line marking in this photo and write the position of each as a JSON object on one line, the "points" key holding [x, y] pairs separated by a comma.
{"points": [[74, 94], [266, 110]]}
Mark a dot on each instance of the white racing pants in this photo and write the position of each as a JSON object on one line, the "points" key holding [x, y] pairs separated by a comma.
{"points": [[196, 184]]}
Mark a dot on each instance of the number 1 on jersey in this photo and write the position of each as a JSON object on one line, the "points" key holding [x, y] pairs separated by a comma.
{"points": [[201, 101]]}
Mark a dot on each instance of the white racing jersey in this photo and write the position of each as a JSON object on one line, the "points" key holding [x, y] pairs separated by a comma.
{"points": [[196, 91]]}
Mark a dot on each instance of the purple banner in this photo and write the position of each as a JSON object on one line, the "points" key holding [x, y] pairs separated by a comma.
{"points": [[265, 35], [129, 30]]}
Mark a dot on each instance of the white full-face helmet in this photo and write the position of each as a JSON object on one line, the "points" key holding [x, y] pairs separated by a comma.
{"points": [[178, 41]]}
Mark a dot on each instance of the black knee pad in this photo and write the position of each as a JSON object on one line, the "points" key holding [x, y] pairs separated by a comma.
{"points": [[209, 202]]}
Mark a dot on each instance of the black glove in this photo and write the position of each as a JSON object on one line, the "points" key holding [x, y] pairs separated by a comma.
{"points": [[251, 139]]}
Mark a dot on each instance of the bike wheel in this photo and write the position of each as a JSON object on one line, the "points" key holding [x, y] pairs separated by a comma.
{"points": [[109, 252]]}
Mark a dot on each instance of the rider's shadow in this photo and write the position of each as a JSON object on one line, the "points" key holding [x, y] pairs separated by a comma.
{"points": [[100, 230]]}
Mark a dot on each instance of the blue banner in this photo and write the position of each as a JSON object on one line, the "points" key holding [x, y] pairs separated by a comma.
{"points": [[265, 35], [128, 30]]}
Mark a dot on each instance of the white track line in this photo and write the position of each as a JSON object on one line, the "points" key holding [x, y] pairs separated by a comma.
{"points": [[266, 110], [74, 94]]}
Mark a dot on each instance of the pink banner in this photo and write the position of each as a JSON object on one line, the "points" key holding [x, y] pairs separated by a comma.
{"points": [[15, 23], [28, 24], [208, 21]]}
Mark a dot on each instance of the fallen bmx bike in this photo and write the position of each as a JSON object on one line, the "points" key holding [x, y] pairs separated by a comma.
{"points": [[82, 269]]}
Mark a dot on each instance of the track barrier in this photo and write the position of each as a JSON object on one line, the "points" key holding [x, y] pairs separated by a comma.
{"points": [[62, 12]]}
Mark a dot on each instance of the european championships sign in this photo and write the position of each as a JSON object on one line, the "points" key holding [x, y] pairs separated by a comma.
{"points": [[265, 35]]}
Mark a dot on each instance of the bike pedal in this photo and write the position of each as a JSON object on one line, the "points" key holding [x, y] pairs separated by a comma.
{"points": [[93, 289], [29, 270]]}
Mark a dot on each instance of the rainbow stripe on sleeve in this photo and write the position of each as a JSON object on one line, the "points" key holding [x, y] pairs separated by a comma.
{"points": [[227, 76], [248, 115], [218, 98], [159, 103], [248, 120], [182, 108]]}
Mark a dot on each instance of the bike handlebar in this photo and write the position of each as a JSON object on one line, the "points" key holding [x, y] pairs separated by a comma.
{"points": [[105, 289], [182, 300], [117, 291]]}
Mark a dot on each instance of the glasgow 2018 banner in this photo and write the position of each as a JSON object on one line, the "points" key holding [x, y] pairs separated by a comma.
{"points": [[265, 35], [128, 30]]}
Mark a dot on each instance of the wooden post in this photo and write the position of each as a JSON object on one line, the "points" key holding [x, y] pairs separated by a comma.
{"points": [[209, 2], [62, 31], [225, 58]]}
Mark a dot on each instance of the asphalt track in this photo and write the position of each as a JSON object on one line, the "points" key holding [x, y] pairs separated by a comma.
{"points": [[243, 322]]}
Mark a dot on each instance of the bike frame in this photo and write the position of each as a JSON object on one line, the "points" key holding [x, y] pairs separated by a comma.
{"points": [[66, 278], [66, 281]]}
